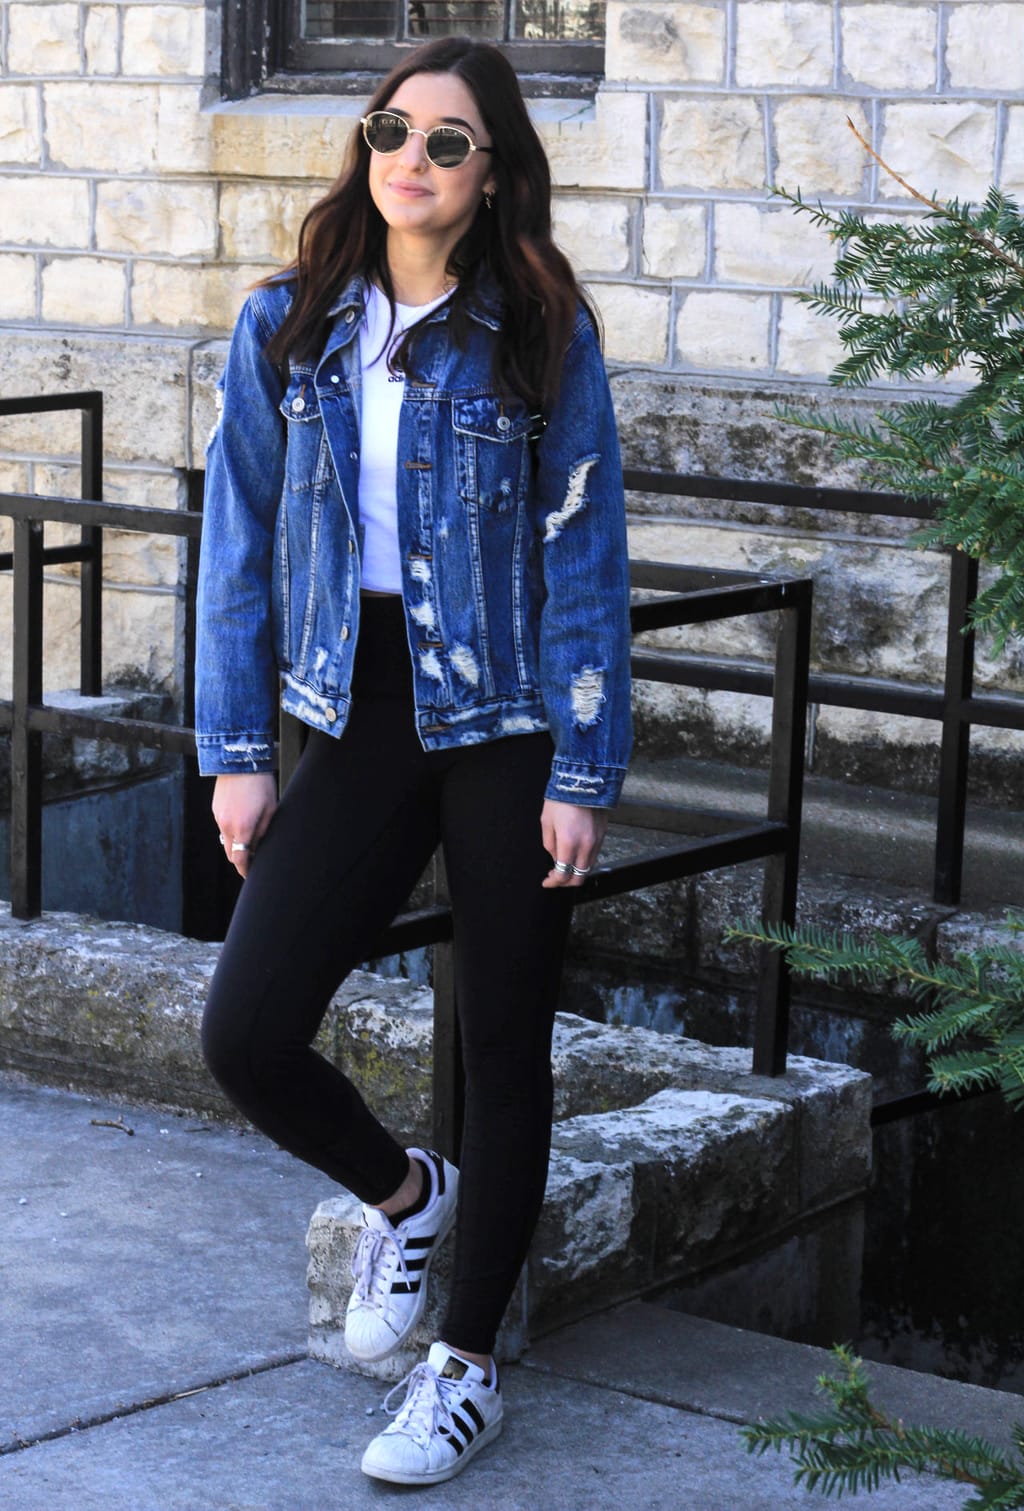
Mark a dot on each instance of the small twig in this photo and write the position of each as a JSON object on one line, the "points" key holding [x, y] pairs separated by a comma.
{"points": [[933, 204], [113, 1123]]}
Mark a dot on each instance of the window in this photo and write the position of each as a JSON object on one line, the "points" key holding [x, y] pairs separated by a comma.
{"points": [[551, 37]]}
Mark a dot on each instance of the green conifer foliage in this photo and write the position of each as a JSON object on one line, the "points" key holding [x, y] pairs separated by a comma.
{"points": [[920, 300]]}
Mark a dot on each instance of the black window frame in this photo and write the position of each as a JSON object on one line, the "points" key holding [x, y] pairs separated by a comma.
{"points": [[262, 53]]}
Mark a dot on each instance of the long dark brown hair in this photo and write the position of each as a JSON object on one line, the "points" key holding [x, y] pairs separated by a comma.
{"points": [[345, 234]]}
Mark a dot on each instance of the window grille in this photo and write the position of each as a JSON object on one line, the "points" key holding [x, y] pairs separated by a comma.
{"points": [[548, 36]]}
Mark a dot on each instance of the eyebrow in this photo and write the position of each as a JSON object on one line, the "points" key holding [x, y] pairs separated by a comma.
{"points": [[444, 120]]}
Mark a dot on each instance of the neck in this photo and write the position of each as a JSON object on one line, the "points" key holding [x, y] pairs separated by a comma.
{"points": [[418, 272]]}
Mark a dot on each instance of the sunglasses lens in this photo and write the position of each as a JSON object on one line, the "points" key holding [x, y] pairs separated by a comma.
{"points": [[385, 132], [447, 146]]}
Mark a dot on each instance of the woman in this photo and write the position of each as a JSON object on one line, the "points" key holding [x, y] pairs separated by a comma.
{"points": [[414, 541]]}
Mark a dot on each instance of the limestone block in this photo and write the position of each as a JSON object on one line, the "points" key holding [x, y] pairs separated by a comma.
{"points": [[143, 383], [665, 44], [1012, 177], [84, 291], [808, 342], [594, 233], [101, 39], [141, 636], [46, 212], [720, 330], [713, 142], [17, 287], [261, 221], [331, 1240], [105, 127], [984, 47], [890, 47], [604, 147], [636, 322], [674, 239], [207, 363], [591, 1241], [815, 150], [769, 246], [709, 1170], [189, 296], [283, 137], [156, 216], [134, 995], [164, 39], [783, 42], [947, 148], [831, 1102], [184, 132], [43, 39], [20, 139], [130, 557]]}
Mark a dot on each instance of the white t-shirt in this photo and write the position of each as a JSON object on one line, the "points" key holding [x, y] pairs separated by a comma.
{"points": [[378, 465]]}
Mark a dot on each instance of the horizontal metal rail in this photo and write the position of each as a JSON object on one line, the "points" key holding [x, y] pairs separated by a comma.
{"points": [[956, 706]]}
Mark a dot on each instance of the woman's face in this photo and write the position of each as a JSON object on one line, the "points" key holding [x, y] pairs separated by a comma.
{"points": [[416, 198]]}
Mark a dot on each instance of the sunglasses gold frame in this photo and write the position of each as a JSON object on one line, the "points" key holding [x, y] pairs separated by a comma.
{"points": [[447, 131]]}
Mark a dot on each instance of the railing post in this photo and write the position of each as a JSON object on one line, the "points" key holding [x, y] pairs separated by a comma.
{"points": [[448, 1079], [91, 582], [954, 751], [26, 744], [785, 797]]}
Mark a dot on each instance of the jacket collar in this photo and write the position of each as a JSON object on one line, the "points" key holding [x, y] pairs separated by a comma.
{"points": [[484, 304]]}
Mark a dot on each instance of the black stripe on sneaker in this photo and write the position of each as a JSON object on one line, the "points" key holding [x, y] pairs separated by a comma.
{"points": [[471, 1410], [464, 1427], [426, 1241], [438, 1164], [401, 1288]]}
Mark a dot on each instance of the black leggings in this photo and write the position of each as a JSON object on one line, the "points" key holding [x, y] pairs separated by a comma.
{"points": [[354, 831]]}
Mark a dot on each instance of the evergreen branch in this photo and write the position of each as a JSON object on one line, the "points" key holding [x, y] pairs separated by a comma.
{"points": [[945, 211], [851, 1445]]}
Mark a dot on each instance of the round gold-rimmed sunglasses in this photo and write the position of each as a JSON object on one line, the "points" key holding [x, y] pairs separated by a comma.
{"points": [[445, 146]]}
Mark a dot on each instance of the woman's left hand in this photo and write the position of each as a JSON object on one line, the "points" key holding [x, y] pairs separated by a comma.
{"points": [[572, 837]]}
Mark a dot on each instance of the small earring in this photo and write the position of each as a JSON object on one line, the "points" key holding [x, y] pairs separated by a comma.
{"points": [[489, 198]]}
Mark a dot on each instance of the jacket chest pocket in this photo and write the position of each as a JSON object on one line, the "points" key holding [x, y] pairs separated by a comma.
{"points": [[304, 432], [491, 452]]}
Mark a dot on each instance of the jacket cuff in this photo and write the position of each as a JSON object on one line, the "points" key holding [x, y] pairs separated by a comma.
{"points": [[231, 755], [586, 786]]}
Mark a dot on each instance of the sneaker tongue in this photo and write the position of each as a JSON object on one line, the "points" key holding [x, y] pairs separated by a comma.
{"points": [[449, 1366], [455, 1369], [374, 1218]]}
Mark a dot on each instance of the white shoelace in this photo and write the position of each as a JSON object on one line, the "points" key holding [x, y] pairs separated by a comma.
{"points": [[374, 1262], [426, 1407]]}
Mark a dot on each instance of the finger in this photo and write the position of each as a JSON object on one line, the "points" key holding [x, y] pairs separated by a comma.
{"points": [[565, 873]]}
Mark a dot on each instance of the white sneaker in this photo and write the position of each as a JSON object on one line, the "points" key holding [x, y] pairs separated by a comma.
{"points": [[390, 1266], [447, 1416]]}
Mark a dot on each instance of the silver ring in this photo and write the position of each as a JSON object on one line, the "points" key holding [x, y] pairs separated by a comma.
{"points": [[580, 870], [235, 846], [564, 868]]}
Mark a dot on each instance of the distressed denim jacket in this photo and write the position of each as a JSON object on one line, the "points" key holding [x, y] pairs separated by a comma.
{"points": [[514, 558]]}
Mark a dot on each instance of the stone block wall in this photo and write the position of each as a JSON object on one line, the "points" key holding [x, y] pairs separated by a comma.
{"points": [[137, 206]]}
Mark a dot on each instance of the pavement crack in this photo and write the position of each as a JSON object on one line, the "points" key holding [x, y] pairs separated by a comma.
{"points": [[100, 1419]]}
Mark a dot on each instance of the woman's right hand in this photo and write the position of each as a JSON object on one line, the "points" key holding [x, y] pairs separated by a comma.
{"points": [[243, 806]]}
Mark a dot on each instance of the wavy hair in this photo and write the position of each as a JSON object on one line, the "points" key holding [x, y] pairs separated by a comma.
{"points": [[344, 234]]}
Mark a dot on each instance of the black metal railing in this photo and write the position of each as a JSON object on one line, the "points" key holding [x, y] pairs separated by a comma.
{"points": [[955, 706], [681, 595]]}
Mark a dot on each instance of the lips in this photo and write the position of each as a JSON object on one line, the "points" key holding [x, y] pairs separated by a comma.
{"points": [[407, 189]]}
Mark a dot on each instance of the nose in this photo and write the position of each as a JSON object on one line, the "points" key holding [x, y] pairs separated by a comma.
{"points": [[413, 153]]}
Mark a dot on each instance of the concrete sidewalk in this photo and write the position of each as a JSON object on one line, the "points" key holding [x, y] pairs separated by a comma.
{"points": [[152, 1353]]}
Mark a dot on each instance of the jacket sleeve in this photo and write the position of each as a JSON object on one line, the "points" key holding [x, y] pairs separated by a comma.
{"points": [[579, 516], [236, 686]]}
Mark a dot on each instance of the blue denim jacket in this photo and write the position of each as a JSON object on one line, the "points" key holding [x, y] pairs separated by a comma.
{"points": [[514, 558]]}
